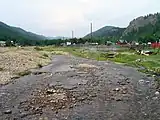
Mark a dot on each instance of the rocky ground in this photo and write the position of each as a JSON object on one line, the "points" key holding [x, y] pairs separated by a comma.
{"points": [[72, 88], [16, 60]]}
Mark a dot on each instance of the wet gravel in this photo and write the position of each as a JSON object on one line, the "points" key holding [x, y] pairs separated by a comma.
{"points": [[73, 88]]}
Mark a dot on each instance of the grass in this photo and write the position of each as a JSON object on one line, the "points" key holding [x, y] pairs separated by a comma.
{"points": [[24, 73], [127, 57]]}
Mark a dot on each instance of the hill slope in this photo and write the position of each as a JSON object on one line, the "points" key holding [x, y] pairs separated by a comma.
{"points": [[7, 31], [144, 28], [107, 31]]}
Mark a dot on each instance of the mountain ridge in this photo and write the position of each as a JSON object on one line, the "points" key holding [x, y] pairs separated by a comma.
{"points": [[144, 28], [17, 33], [107, 31]]}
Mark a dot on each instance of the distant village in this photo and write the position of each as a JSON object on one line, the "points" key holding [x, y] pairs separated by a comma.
{"points": [[122, 43]]}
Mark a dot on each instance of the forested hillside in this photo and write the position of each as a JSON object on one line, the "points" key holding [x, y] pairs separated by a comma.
{"points": [[143, 29], [9, 32]]}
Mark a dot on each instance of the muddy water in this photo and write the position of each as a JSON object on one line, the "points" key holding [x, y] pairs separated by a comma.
{"points": [[107, 92]]}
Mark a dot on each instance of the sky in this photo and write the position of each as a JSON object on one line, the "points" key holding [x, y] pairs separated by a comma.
{"points": [[60, 17]]}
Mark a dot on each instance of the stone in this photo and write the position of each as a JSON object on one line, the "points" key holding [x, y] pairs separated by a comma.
{"points": [[122, 83], [118, 99], [124, 88], [153, 75], [51, 91], [141, 81], [51, 85], [117, 89], [38, 109], [124, 92], [44, 118], [138, 60], [147, 82], [147, 97], [23, 114], [73, 99], [8, 111], [157, 93], [154, 98]]}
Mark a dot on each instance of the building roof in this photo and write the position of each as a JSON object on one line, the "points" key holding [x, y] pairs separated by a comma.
{"points": [[2, 42]]}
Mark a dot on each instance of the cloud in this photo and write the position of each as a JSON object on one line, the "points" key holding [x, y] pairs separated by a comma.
{"points": [[52, 17]]}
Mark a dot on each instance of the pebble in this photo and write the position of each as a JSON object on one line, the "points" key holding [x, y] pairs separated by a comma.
{"points": [[153, 75], [45, 118], [51, 91], [73, 99], [123, 83], [124, 88], [138, 60], [141, 81], [8, 111], [147, 82], [51, 85], [118, 99], [124, 92], [116, 89], [154, 98], [157, 93], [23, 114], [147, 97]]}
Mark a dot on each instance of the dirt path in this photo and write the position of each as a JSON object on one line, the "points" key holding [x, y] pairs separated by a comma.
{"points": [[80, 89]]}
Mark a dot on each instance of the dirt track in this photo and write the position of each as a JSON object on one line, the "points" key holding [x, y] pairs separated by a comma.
{"points": [[80, 89]]}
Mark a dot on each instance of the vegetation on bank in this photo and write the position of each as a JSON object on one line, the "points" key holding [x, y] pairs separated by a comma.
{"points": [[148, 64]]}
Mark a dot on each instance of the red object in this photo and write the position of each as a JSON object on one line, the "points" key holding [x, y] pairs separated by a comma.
{"points": [[155, 45]]}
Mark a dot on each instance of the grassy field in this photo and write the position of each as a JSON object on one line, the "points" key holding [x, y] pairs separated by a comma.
{"points": [[148, 64]]}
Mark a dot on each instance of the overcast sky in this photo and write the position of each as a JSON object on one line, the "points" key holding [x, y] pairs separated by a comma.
{"points": [[60, 17]]}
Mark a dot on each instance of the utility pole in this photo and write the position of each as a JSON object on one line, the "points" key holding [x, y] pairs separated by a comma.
{"points": [[72, 34], [91, 32]]}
